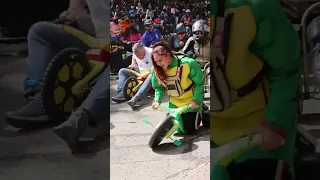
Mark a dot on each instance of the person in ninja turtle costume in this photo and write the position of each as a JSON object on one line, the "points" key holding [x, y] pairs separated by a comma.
{"points": [[198, 45], [183, 80], [255, 56], [177, 42]]}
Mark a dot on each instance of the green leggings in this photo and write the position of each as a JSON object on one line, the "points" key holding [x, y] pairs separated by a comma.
{"points": [[186, 119], [269, 169]]}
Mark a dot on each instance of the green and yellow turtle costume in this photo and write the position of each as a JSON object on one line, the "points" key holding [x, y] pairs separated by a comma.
{"points": [[192, 82], [260, 37]]}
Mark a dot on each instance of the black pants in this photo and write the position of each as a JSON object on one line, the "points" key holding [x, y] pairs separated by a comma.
{"points": [[189, 120], [260, 169]]}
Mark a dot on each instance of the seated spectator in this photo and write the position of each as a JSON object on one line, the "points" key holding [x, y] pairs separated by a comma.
{"points": [[130, 35]]}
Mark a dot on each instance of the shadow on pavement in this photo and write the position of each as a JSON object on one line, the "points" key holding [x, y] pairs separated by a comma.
{"points": [[203, 134], [171, 149], [11, 153], [12, 133], [94, 140], [147, 102], [89, 149]]}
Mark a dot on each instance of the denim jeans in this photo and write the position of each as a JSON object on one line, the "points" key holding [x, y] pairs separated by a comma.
{"points": [[98, 101], [116, 37], [124, 74], [45, 40]]}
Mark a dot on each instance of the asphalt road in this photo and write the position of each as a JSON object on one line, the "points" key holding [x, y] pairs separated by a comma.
{"points": [[131, 157], [40, 154]]}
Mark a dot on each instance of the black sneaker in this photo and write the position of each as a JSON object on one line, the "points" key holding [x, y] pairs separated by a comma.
{"points": [[29, 92], [73, 128], [119, 98], [132, 102], [31, 115]]}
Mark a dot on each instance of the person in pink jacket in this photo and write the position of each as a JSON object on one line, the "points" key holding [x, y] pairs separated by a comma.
{"points": [[114, 26], [130, 35]]}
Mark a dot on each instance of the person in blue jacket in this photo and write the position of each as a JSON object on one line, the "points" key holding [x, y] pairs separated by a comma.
{"points": [[152, 35]]}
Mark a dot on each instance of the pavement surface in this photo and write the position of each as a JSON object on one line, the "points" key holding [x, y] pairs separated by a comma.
{"points": [[39, 154], [131, 157]]}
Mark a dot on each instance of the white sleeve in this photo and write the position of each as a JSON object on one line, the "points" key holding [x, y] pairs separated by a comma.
{"points": [[147, 14], [187, 44], [100, 14], [134, 56]]}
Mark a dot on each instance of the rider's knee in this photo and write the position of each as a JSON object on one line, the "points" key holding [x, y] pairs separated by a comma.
{"points": [[40, 28], [122, 70], [149, 79]]}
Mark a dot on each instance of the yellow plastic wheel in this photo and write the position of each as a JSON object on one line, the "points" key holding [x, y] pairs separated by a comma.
{"points": [[128, 87], [65, 70]]}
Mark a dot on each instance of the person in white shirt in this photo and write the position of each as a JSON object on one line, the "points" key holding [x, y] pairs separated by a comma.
{"points": [[140, 9], [142, 60], [149, 13], [99, 13]]}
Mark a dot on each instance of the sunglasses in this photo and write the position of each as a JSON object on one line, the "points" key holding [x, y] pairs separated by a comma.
{"points": [[158, 23], [148, 26], [199, 33], [180, 33]]}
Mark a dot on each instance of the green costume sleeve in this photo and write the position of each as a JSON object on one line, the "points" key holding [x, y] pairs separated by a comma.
{"points": [[196, 75], [158, 88], [213, 9], [277, 43]]}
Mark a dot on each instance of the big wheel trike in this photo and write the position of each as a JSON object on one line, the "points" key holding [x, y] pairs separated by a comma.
{"points": [[172, 123], [223, 156], [71, 74], [133, 83]]}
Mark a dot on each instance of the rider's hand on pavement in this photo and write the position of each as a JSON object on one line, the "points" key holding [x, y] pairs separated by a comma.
{"points": [[194, 104], [272, 136], [155, 105]]}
